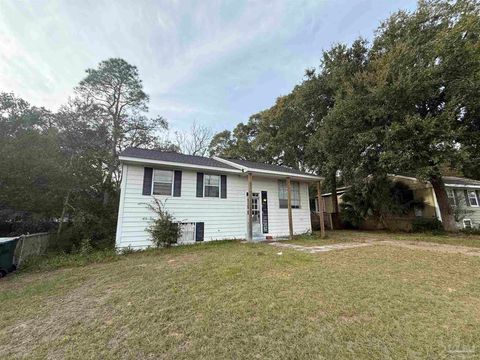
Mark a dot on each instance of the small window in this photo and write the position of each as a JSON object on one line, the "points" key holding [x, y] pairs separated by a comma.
{"points": [[451, 197], [162, 182], [283, 194], [418, 210], [472, 198], [187, 233], [211, 186], [467, 223]]}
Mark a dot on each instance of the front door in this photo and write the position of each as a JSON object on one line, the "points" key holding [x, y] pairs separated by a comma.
{"points": [[256, 215]]}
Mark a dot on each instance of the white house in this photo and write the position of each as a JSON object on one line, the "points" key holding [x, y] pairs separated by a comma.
{"points": [[209, 197]]}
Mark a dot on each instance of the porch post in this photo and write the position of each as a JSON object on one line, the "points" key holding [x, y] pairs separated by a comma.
{"points": [[290, 220], [249, 211], [320, 209]]}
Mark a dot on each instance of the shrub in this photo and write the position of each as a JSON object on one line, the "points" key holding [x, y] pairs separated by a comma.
{"points": [[425, 224], [473, 231], [163, 229]]}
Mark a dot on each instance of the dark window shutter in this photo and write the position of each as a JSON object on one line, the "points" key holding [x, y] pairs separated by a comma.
{"points": [[199, 230], [147, 181], [467, 201], [223, 186], [177, 183], [199, 184]]}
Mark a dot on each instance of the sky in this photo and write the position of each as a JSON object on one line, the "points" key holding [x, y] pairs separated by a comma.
{"points": [[213, 62]]}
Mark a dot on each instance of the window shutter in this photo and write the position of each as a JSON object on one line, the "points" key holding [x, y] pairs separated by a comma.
{"points": [[199, 184], [177, 183], [199, 231], [223, 186], [467, 201], [147, 181]]}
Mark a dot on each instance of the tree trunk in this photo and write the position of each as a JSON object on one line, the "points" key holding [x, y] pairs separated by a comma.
{"points": [[64, 210], [446, 211], [111, 166]]}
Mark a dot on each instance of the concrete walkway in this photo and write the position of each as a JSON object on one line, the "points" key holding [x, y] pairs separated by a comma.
{"points": [[413, 245]]}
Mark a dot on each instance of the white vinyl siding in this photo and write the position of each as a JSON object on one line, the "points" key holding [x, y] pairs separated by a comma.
{"points": [[222, 219], [470, 213], [162, 183]]}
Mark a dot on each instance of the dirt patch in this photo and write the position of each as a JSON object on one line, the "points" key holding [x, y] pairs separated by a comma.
{"points": [[180, 260], [413, 245]]}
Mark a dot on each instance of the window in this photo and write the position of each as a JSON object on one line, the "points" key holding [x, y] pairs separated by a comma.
{"points": [[283, 194], [451, 197], [467, 223], [162, 182], [418, 210], [211, 186], [472, 198], [188, 233]]}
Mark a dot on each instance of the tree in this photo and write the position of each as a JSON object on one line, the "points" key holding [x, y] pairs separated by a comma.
{"points": [[237, 144], [377, 198], [116, 90], [32, 176], [334, 148], [195, 141], [428, 100], [221, 144]]}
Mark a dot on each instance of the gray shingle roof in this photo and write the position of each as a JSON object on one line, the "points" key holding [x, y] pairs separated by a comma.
{"points": [[460, 181], [173, 157], [267, 167]]}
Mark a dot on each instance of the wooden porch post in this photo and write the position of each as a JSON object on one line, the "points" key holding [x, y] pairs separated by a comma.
{"points": [[289, 197], [320, 209], [249, 222]]}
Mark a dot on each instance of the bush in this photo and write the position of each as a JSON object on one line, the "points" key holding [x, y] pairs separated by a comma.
{"points": [[426, 225], [163, 229], [474, 231]]}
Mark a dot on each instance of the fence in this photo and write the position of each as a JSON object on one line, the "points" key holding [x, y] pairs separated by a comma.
{"points": [[30, 245], [327, 219]]}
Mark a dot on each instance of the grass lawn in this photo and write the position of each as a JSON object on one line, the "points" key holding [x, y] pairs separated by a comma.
{"points": [[340, 236], [232, 300]]}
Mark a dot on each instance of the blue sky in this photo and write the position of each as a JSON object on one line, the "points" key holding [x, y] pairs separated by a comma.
{"points": [[214, 62]]}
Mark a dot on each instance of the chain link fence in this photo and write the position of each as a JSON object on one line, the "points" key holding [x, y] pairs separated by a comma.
{"points": [[30, 245]]}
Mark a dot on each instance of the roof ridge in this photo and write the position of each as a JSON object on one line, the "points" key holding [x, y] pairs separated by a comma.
{"points": [[168, 152]]}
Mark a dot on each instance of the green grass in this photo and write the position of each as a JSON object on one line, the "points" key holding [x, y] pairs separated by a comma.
{"points": [[340, 236], [57, 261], [244, 301]]}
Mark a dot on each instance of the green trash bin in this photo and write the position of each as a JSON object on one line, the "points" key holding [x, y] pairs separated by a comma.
{"points": [[7, 250]]}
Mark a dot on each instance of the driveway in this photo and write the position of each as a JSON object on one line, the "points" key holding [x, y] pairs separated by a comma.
{"points": [[413, 245]]}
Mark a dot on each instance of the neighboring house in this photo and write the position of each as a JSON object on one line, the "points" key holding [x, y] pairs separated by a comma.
{"points": [[209, 197], [464, 196]]}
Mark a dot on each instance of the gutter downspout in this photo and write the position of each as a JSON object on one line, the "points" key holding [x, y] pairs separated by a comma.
{"points": [[437, 208]]}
